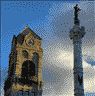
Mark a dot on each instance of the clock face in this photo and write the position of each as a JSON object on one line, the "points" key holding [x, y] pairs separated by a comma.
{"points": [[31, 42]]}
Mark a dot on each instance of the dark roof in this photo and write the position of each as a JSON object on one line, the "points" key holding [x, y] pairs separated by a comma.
{"points": [[27, 30]]}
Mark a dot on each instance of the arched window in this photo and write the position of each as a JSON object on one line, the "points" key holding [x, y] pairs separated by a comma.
{"points": [[31, 69], [35, 58], [28, 69], [25, 70]]}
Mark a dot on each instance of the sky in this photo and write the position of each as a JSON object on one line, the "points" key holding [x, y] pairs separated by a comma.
{"points": [[52, 21]]}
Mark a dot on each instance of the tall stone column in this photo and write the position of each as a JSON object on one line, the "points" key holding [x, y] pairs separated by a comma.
{"points": [[76, 34]]}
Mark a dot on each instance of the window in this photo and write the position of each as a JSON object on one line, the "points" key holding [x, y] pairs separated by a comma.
{"points": [[35, 58], [25, 93], [25, 70], [28, 69], [31, 69]]}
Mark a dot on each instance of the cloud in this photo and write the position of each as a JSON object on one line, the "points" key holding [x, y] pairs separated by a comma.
{"points": [[58, 58], [89, 85]]}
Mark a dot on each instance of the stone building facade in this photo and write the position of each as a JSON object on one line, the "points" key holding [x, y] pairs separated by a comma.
{"points": [[25, 65]]}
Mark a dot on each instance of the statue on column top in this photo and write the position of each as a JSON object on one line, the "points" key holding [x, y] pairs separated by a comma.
{"points": [[76, 21]]}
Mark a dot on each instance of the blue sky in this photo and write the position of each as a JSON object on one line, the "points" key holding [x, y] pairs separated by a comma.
{"points": [[13, 21], [52, 23], [21, 13]]}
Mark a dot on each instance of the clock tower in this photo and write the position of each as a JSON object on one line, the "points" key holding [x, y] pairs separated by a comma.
{"points": [[25, 65]]}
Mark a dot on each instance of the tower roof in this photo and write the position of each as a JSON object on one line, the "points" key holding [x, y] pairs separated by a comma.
{"points": [[27, 30]]}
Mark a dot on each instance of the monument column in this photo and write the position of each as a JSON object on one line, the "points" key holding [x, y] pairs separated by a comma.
{"points": [[76, 34]]}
